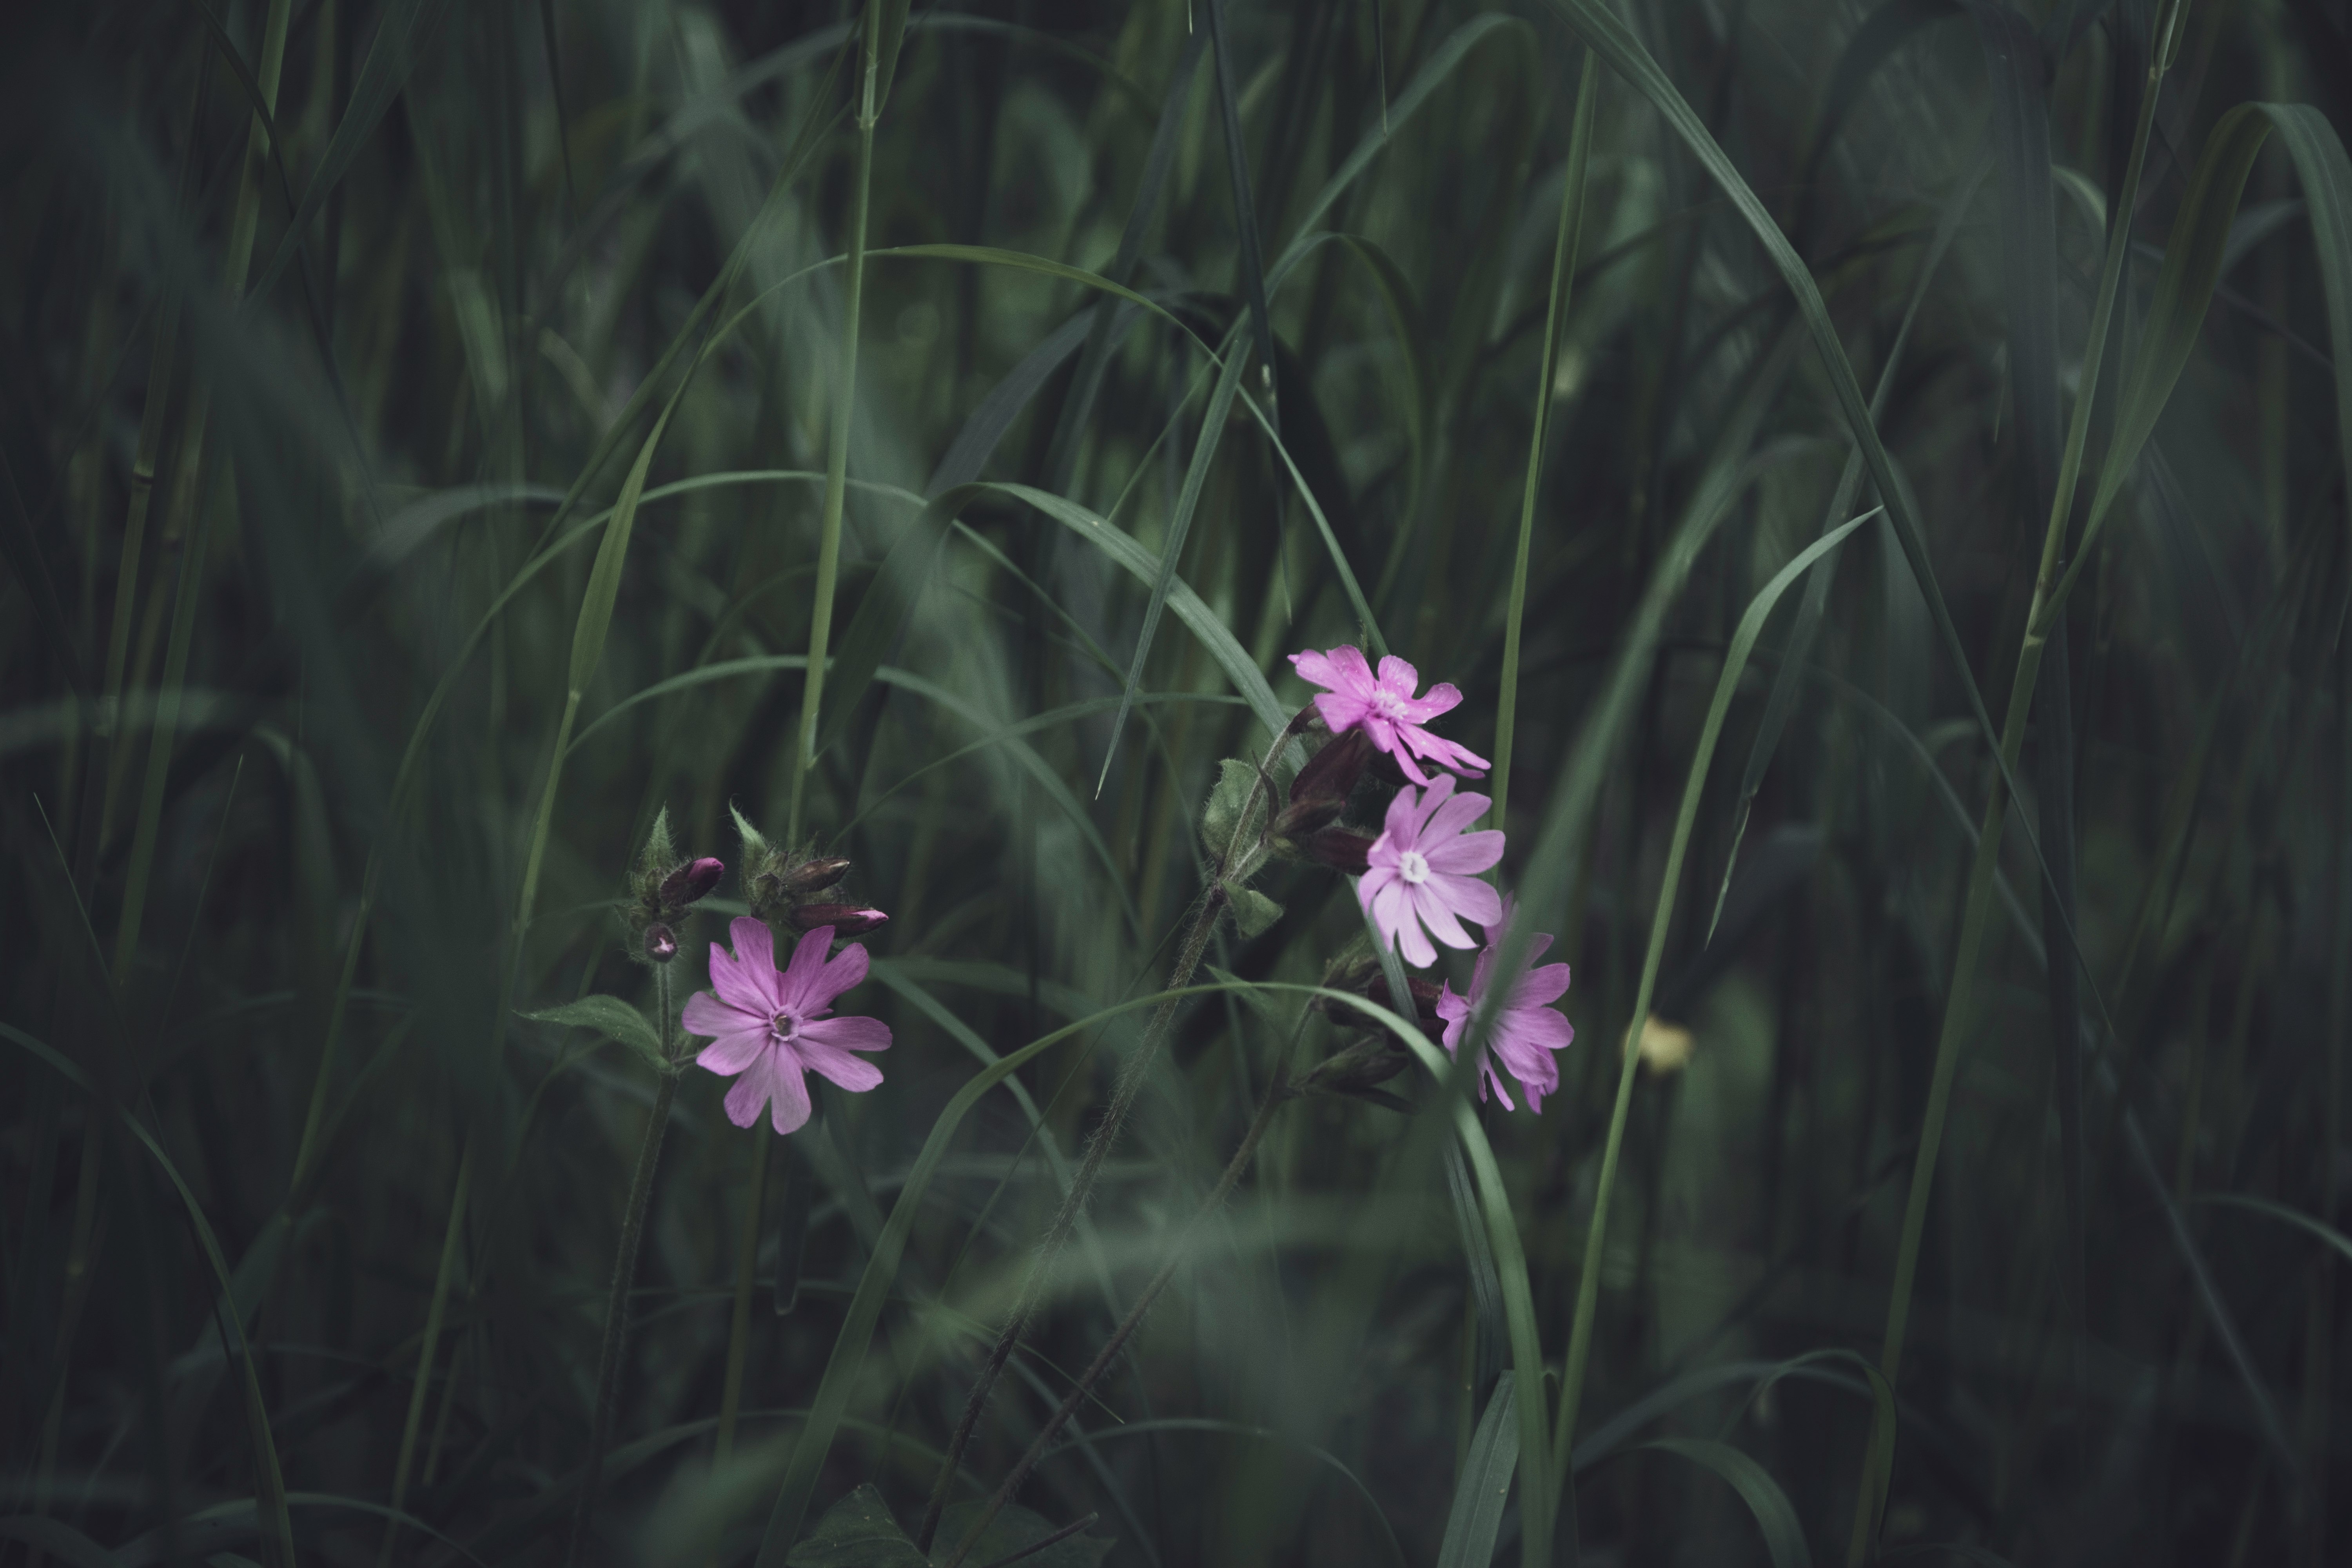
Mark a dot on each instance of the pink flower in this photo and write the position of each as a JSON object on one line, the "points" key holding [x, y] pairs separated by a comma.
{"points": [[772, 1028], [1423, 870], [1526, 1028], [1385, 709]]}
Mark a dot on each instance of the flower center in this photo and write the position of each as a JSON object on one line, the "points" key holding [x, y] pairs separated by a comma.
{"points": [[783, 1028], [1412, 866], [1388, 704]]}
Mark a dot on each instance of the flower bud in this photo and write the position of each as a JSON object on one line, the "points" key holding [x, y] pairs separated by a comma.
{"points": [[1360, 1065], [661, 943], [1342, 850], [1302, 818], [1331, 774], [690, 883], [846, 920], [814, 876]]}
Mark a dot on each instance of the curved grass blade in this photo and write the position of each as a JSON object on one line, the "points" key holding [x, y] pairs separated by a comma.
{"points": [[2328, 1234], [1252, 261], [1475, 1517], [2193, 259], [1784, 1538], [1735, 663]]}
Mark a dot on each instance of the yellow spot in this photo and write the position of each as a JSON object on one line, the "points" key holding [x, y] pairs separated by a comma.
{"points": [[1666, 1047]]}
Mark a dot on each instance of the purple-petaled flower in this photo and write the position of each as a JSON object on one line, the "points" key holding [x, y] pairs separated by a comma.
{"points": [[1526, 1028], [771, 1024], [1423, 870], [1385, 709]]}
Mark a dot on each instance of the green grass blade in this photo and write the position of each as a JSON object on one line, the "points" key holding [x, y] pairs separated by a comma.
{"points": [[1784, 1538], [1565, 245], [1171, 550], [1475, 1516]]}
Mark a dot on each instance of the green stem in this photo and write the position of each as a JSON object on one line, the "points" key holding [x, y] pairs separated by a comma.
{"points": [[1958, 1007], [1564, 246], [738, 1328], [624, 1274], [836, 459]]}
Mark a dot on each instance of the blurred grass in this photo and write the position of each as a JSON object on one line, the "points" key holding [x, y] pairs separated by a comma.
{"points": [[332, 328]]}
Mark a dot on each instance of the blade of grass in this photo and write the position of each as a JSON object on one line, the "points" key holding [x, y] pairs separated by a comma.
{"points": [[1588, 1283], [880, 29], [1171, 550], [1565, 245]]}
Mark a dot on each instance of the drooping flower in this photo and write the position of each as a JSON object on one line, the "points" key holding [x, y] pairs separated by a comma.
{"points": [[1385, 708], [1423, 870], [1526, 1028], [771, 1028]]}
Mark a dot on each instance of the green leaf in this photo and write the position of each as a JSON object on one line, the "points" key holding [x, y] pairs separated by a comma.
{"points": [[1784, 1537], [1477, 1515], [613, 1019], [1013, 1530], [1236, 780], [755, 843], [1253, 911], [856, 1532]]}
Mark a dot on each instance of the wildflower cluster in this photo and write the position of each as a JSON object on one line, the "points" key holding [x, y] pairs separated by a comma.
{"points": [[1419, 879]]}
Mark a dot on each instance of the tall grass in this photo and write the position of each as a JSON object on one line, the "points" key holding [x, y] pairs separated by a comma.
{"points": [[1877, 475]]}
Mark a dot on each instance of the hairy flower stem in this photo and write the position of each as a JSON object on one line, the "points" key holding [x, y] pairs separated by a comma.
{"points": [[624, 1274], [1234, 865], [1278, 1090]]}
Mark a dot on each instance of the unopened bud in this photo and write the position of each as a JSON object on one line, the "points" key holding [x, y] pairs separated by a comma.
{"points": [[814, 876], [846, 920], [1331, 774], [1342, 850], [690, 883], [1301, 817], [1359, 1065], [661, 943]]}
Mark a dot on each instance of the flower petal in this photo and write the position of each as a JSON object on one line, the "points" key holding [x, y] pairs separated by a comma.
{"points": [[1412, 946], [801, 987], [1465, 854], [847, 969], [710, 1015], [788, 1110], [1441, 698], [832, 1060], [1400, 676], [1542, 986], [1465, 896], [1401, 827], [1443, 751], [1341, 712], [748, 978], [1390, 909], [1429, 906], [733, 1053], [1453, 815], [850, 1033], [1347, 662]]}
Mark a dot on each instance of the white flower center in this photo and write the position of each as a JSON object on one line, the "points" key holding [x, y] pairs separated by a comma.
{"points": [[1412, 866], [783, 1028], [1388, 704]]}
